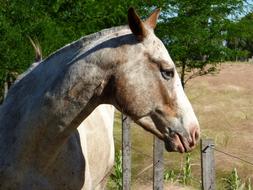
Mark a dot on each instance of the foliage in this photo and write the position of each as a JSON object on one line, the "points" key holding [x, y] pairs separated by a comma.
{"points": [[169, 175], [54, 24], [249, 185], [233, 182], [191, 30], [195, 34], [116, 176], [240, 38], [187, 172], [184, 177]]}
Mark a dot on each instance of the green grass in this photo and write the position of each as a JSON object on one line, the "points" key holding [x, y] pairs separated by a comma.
{"points": [[234, 182], [115, 181]]}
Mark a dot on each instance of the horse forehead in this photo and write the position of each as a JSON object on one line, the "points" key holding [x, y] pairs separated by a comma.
{"points": [[158, 51]]}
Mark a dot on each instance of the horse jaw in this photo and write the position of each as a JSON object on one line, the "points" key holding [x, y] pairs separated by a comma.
{"points": [[173, 142], [148, 124]]}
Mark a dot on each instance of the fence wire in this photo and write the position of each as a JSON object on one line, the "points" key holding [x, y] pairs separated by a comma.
{"points": [[232, 156], [165, 163]]}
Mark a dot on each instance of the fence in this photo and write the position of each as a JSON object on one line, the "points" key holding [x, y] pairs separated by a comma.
{"points": [[126, 155], [207, 160]]}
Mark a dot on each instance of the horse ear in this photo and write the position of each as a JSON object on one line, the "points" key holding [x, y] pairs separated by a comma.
{"points": [[152, 19], [136, 25]]}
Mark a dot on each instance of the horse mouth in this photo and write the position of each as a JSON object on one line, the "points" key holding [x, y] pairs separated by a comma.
{"points": [[175, 142]]}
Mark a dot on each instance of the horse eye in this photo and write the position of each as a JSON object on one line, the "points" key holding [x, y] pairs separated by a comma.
{"points": [[167, 74]]}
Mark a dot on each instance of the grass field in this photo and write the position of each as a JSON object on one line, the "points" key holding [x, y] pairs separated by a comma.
{"points": [[223, 103]]}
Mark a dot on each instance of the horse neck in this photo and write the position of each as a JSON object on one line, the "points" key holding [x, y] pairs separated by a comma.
{"points": [[50, 103]]}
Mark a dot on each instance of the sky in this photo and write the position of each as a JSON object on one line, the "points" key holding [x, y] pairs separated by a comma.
{"points": [[249, 6]]}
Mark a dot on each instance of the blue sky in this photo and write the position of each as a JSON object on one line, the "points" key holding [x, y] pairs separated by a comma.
{"points": [[248, 7]]}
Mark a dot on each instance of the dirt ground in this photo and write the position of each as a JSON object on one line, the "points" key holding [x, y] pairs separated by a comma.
{"points": [[167, 186], [224, 105]]}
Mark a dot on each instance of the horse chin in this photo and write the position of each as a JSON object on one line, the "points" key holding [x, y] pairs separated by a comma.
{"points": [[177, 143], [169, 146]]}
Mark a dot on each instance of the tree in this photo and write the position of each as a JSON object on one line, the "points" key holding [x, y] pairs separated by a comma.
{"points": [[196, 32], [53, 24], [191, 30], [240, 38]]}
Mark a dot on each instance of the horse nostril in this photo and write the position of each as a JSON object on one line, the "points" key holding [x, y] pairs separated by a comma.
{"points": [[194, 132]]}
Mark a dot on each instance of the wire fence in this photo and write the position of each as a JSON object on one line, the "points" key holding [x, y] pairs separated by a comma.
{"points": [[232, 156], [167, 163]]}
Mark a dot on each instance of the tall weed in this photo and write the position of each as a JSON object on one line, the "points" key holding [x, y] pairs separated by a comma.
{"points": [[234, 182], [116, 176]]}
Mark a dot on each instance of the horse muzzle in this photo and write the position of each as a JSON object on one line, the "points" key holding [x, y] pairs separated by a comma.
{"points": [[181, 142]]}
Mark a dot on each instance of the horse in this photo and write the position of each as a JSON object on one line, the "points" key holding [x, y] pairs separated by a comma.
{"points": [[127, 67], [98, 126]]}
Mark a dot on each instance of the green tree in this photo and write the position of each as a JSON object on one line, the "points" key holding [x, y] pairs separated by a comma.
{"points": [[54, 24], [240, 38], [191, 30], [195, 32]]}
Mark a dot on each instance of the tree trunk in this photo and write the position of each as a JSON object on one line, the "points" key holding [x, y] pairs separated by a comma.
{"points": [[183, 73]]}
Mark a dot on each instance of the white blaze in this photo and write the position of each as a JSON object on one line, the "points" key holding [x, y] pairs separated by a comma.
{"points": [[184, 106]]}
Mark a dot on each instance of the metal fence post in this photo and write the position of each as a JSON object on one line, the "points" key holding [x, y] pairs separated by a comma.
{"points": [[207, 164], [126, 153], [158, 164]]}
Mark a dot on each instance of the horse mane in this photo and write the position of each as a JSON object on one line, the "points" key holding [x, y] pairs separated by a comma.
{"points": [[38, 59], [86, 40], [80, 43], [37, 49]]}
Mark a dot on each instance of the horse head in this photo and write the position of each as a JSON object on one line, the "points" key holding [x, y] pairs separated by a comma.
{"points": [[146, 86]]}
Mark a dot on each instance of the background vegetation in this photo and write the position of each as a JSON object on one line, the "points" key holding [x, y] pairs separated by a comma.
{"points": [[195, 32]]}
